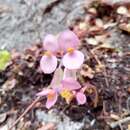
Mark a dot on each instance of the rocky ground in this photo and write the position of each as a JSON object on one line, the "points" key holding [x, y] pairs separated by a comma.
{"points": [[25, 22]]}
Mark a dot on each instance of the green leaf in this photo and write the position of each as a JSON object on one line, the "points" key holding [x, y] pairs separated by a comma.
{"points": [[5, 57]]}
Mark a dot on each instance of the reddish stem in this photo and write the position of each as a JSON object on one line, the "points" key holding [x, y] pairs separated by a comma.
{"points": [[25, 112]]}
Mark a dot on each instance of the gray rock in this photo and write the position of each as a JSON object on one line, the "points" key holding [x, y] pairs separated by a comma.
{"points": [[24, 22], [53, 117]]}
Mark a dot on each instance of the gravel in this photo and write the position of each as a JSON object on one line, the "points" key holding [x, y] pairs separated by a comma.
{"points": [[62, 122]]}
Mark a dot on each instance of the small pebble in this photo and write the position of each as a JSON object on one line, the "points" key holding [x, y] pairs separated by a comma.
{"points": [[99, 23], [83, 26], [92, 41], [92, 11], [122, 10]]}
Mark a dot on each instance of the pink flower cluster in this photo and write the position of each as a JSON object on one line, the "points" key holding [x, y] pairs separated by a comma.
{"points": [[68, 89], [66, 44]]}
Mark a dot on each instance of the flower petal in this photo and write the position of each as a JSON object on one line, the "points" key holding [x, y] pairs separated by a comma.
{"points": [[73, 60], [52, 101], [57, 77], [81, 98], [70, 84], [44, 92], [68, 39], [48, 64], [50, 43], [69, 73]]}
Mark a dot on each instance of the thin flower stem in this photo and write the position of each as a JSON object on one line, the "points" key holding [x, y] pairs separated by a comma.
{"points": [[25, 112], [117, 123]]}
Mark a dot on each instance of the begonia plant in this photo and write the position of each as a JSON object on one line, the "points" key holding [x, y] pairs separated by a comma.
{"points": [[64, 59]]}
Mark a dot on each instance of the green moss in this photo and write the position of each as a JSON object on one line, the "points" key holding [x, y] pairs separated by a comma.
{"points": [[5, 57]]}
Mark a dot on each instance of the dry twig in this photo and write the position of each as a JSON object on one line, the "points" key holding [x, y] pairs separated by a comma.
{"points": [[25, 112], [118, 123]]}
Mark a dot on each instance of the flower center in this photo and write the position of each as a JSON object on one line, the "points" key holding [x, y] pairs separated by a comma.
{"points": [[51, 96], [48, 53], [67, 94], [70, 50]]}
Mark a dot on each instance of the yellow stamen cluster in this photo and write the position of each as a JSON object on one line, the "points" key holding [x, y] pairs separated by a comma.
{"points": [[70, 50], [67, 95], [48, 53]]}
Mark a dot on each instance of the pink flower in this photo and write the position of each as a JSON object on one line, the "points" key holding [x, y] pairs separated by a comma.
{"points": [[66, 43], [70, 84], [69, 42], [73, 60], [51, 95], [81, 98], [48, 62], [68, 39], [69, 87]]}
